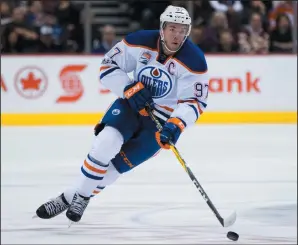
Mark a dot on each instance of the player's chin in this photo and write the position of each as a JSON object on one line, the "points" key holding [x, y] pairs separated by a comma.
{"points": [[174, 46]]}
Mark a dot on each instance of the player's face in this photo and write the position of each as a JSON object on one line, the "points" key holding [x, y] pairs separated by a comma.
{"points": [[174, 35]]}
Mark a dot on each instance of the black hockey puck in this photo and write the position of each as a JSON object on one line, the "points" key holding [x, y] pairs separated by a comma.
{"points": [[232, 236]]}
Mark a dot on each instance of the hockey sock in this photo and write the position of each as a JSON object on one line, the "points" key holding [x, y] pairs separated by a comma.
{"points": [[105, 147], [110, 177]]}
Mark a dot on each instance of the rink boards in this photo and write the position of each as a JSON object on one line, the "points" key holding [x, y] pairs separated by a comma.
{"points": [[65, 90]]}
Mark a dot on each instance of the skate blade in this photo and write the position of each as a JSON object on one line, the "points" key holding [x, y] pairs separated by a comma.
{"points": [[70, 223], [35, 216]]}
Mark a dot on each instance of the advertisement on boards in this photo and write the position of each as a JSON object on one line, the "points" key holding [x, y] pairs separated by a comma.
{"points": [[70, 84]]}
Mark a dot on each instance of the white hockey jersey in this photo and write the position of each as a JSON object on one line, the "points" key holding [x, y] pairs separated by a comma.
{"points": [[179, 84]]}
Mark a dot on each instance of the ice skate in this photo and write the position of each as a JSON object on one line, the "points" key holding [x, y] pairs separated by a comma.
{"points": [[77, 207], [52, 208]]}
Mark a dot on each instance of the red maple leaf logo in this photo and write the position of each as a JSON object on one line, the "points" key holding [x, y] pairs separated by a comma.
{"points": [[31, 82]]}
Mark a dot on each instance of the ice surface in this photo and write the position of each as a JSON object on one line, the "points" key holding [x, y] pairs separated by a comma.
{"points": [[248, 168]]}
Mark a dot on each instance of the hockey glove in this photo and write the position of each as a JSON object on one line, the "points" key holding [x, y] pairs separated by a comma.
{"points": [[138, 97], [170, 132]]}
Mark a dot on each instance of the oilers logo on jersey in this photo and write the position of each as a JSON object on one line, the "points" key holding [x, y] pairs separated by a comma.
{"points": [[157, 80]]}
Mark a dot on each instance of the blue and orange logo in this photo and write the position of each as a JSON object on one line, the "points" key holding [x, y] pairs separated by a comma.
{"points": [[156, 80]]}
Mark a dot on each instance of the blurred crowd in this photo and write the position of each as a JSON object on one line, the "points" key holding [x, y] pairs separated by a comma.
{"points": [[245, 26], [254, 27], [40, 27]]}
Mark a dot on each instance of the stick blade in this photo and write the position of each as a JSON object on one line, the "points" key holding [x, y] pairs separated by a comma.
{"points": [[230, 220]]}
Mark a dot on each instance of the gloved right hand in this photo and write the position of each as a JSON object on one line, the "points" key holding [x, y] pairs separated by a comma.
{"points": [[138, 97], [170, 132]]}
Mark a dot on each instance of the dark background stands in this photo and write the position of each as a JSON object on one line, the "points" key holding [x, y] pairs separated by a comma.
{"points": [[224, 26]]}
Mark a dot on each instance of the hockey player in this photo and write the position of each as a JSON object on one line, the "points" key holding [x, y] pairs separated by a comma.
{"points": [[169, 75]]}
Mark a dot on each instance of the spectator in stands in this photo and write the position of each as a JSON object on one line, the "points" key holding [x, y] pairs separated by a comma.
{"points": [[281, 39], [151, 14], [226, 6], [197, 36], [34, 16], [135, 8], [58, 33], [5, 12], [68, 17], [281, 7], [233, 11], [253, 39], [256, 6], [47, 43], [202, 11], [20, 37], [108, 34], [51, 26], [218, 22], [50, 6], [226, 42], [145, 14]]}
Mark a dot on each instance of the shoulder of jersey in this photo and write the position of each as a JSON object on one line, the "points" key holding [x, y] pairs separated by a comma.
{"points": [[143, 39], [192, 57]]}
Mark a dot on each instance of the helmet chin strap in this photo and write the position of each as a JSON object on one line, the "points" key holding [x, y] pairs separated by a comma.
{"points": [[164, 43]]}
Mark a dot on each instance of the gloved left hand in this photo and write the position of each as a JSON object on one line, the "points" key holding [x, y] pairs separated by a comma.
{"points": [[138, 97], [170, 132]]}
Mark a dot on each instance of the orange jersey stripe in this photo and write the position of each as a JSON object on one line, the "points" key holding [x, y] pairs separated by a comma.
{"points": [[104, 68], [193, 102], [166, 108]]}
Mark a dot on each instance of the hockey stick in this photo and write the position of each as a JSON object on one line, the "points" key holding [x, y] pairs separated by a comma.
{"points": [[230, 220]]}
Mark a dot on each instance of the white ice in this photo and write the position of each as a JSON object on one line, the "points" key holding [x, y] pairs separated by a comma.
{"points": [[248, 168]]}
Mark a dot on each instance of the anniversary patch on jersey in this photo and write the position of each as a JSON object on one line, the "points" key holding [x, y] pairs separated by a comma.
{"points": [[145, 57], [156, 80]]}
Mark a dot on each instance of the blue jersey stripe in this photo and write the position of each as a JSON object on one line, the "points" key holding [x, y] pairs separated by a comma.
{"points": [[203, 104], [194, 98], [196, 111]]}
